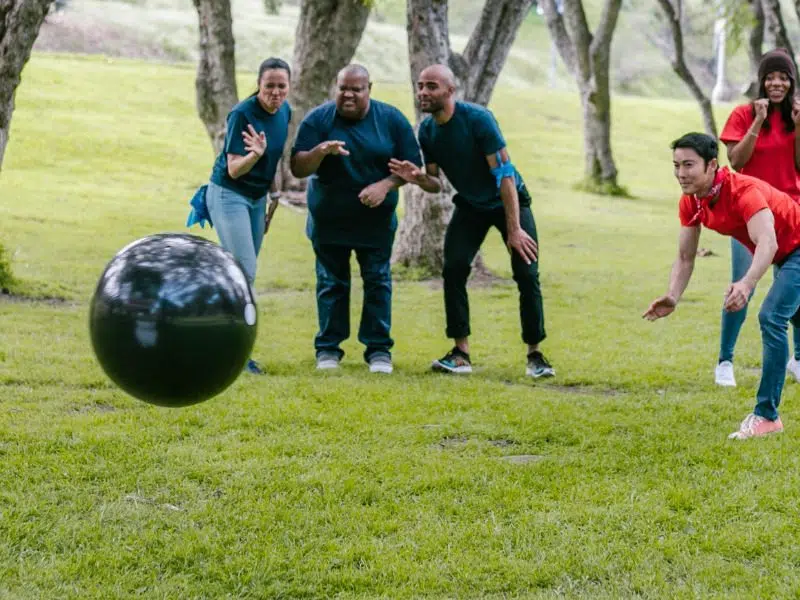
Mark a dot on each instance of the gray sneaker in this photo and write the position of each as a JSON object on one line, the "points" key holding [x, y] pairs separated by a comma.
{"points": [[328, 360], [380, 363]]}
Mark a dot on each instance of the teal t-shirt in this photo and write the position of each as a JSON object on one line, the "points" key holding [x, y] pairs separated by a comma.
{"points": [[256, 182], [336, 215], [459, 148]]}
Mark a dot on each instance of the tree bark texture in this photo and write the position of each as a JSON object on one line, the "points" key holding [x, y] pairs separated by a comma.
{"points": [[215, 83], [755, 43], [20, 21], [673, 13], [587, 55], [773, 21], [420, 238], [326, 39]]}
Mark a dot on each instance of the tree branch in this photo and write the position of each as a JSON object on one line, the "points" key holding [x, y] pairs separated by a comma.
{"points": [[559, 34], [608, 21]]}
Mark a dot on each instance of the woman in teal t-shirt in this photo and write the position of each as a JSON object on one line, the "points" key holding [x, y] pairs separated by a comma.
{"points": [[235, 199]]}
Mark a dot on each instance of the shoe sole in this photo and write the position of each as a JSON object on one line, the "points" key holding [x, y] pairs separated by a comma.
{"points": [[381, 369], [442, 368], [327, 366], [734, 436], [546, 373], [725, 383]]}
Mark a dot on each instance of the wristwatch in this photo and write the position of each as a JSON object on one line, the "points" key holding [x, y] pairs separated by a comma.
{"points": [[274, 195]]}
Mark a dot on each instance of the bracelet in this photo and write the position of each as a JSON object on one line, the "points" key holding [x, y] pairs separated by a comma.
{"points": [[751, 133], [274, 195]]}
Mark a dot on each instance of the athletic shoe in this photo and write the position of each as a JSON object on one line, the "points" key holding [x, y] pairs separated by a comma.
{"points": [[328, 360], [454, 361], [755, 426], [723, 374], [793, 367], [380, 363], [254, 368], [538, 366]]}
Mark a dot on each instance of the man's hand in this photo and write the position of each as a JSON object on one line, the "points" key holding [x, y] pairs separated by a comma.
{"points": [[737, 296], [524, 245], [334, 147], [254, 142], [373, 195], [405, 170], [661, 307]]}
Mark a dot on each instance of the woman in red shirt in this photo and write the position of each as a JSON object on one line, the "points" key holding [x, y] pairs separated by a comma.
{"points": [[762, 142]]}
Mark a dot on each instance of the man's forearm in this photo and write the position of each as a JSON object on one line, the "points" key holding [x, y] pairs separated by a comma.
{"points": [[510, 198], [679, 278], [762, 259], [304, 164]]}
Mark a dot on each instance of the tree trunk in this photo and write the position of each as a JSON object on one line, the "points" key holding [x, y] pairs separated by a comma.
{"points": [[215, 83], [587, 57], [678, 62], [420, 238], [20, 21], [755, 42], [773, 21], [326, 39]]}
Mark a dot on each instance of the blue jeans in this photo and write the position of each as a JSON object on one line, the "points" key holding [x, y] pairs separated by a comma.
{"points": [[333, 298], [780, 306], [732, 322], [239, 222]]}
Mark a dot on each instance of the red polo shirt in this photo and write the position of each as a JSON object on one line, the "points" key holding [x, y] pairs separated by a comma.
{"points": [[740, 197], [773, 157]]}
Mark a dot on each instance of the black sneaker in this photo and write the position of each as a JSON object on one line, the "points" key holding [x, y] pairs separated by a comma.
{"points": [[454, 361], [538, 366], [254, 368]]}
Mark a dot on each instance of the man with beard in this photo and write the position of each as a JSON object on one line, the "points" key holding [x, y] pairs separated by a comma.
{"points": [[465, 142], [345, 146]]}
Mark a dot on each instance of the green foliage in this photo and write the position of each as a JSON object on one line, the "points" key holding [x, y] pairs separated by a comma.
{"points": [[6, 276]]}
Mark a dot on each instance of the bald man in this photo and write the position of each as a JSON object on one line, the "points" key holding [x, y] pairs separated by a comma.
{"points": [[345, 146], [465, 142]]}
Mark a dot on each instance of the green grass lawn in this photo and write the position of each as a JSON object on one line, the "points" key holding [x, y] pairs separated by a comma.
{"points": [[308, 485]]}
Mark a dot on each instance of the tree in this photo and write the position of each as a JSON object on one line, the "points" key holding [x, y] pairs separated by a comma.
{"points": [[326, 39], [673, 12], [773, 21], [420, 240], [215, 83], [20, 21], [587, 56], [755, 42]]}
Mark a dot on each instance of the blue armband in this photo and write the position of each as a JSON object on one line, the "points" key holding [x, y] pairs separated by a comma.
{"points": [[503, 170]]}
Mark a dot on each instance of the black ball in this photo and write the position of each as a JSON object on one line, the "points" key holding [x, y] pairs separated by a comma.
{"points": [[173, 319]]}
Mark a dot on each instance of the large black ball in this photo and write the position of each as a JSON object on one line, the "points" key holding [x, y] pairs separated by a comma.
{"points": [[173, 319]]}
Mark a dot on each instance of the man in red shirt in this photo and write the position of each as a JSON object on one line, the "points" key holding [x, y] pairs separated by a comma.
{"points": [[764, 220]]}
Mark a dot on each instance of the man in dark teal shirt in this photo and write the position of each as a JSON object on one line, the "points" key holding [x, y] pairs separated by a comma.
{"points": [[464, 141], [345, 147]]}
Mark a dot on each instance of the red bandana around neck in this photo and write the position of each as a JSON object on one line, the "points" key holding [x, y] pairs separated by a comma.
{"points": [[702, 202]]}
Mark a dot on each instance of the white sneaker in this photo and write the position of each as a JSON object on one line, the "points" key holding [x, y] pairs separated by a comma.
{"points": [[380, 363], [327, 360], [793, 367], [723, 374]]}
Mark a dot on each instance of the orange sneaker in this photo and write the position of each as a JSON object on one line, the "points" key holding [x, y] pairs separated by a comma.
{"points": [[755, 426]]}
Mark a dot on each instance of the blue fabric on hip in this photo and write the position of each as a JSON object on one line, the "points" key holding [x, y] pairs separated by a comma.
{"points": [[199, 212]]}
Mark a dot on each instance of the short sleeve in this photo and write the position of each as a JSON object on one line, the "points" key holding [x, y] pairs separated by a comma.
{"points": [[308, 135], [237, 123], [750, 201], [487, 132], [405, 143], [424, 145], [737, 124], [687, 212]]}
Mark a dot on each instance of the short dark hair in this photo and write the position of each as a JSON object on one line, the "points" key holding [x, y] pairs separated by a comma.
{"points": [[273, 63], [702, 143]]}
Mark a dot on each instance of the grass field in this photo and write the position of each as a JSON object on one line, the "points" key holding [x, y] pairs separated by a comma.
{"points": [[346, 485]]}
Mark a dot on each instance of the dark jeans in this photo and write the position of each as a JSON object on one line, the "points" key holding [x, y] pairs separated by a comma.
{"points": [[333, 298], [465, 234]]}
